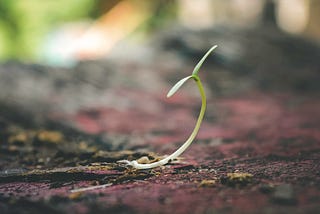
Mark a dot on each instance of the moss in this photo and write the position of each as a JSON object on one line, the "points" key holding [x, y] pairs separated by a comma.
{"points": [[237, 179], [49, 136], [207, 183]]}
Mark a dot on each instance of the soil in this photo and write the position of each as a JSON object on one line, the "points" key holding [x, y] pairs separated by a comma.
{"points": [[258, 150]]}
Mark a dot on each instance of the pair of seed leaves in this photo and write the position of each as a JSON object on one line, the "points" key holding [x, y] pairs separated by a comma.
{"points": [[194, 75]]}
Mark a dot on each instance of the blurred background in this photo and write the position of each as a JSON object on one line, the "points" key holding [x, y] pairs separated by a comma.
{"points": [[60, 33], [61, 58]]}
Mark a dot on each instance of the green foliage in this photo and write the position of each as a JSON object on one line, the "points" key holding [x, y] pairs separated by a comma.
{"points": [[24, 23]]}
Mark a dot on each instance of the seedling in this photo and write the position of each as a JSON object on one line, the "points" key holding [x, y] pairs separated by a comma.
{"points": [[187, 143]]}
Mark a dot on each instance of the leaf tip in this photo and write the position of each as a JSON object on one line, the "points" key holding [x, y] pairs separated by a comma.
{"points": [[197, 67], [175, 88]]}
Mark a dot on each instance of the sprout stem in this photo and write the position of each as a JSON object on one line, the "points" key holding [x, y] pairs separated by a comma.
{"points": [[179, 151], [194, 133]]}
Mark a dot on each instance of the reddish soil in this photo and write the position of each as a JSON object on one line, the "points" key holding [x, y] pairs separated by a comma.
{"points": [[255, 153], [258, 149]]}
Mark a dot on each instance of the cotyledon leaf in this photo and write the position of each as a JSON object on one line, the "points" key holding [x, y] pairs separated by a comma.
{"points": [[175, 88], [197, 67]]}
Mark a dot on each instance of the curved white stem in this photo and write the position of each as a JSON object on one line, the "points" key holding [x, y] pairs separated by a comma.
{"points": [[194, 133], [179, 151]]}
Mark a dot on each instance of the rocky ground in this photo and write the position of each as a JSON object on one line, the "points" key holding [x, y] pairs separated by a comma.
{"points": [[258, 150]]}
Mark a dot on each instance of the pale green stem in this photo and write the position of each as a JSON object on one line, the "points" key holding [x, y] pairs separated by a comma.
{"points": [[177, 153]]}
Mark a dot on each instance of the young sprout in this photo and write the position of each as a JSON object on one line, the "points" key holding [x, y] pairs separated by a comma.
{"points": [[172, 91]]}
